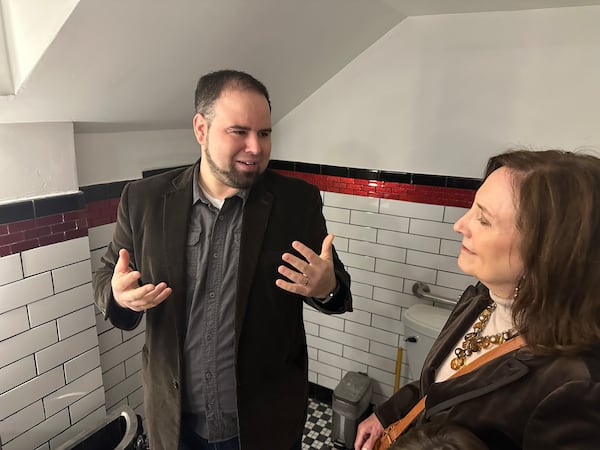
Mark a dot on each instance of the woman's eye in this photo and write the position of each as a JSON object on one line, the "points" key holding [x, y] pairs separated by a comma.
{"points": [[482, 221]]}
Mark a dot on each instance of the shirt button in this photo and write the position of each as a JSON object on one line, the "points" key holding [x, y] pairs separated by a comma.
{"points": [[175, 384], [208, 375], [211, 295], [215, 255]]}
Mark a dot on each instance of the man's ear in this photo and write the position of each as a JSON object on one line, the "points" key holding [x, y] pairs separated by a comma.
{"points": [[200, 128]]}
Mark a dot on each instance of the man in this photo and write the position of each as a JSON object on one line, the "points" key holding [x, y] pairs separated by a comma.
{"points": [[220, 257]]}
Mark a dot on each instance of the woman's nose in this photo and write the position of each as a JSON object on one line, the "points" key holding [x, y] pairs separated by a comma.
{"points": [[459, 225]]}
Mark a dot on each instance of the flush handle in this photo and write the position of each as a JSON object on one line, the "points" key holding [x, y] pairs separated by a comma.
{"points": [[411, 339]]}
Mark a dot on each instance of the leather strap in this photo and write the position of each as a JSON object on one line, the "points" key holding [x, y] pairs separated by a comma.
{"points": [[392, 432]]}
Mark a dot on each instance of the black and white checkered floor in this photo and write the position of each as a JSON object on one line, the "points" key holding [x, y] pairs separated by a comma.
{"points": [[318, 428]]}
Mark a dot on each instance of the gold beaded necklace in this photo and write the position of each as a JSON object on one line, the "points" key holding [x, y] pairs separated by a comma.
{"points": [[474, 341]]}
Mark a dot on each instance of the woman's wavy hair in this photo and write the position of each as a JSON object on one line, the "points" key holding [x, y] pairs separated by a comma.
{"points": [[557, 197]]}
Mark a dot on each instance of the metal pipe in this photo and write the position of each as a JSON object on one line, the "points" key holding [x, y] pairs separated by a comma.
{"points": [[422, 290]]}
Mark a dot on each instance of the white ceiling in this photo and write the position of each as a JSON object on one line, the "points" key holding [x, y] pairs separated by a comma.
{"points": [[133, 64]]}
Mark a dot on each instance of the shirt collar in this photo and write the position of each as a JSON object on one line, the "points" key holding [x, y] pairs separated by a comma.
{"points": [[198, 194]]}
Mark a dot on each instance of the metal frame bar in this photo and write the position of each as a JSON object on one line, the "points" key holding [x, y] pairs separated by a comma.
{"points": [[422, 290]]}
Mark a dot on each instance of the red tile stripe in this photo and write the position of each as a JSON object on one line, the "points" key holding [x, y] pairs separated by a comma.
{"points": [[24, 235], [431, 195]]}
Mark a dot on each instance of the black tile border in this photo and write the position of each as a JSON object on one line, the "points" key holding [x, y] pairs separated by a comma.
{"points": [[335, 171], [48, 206], [96, 192], [103, 191], [428, 180], [378, 175], [41, 207], [276, 164], [396, 177], [464, 183], [15, 212], [307, 167], [364, 174]]}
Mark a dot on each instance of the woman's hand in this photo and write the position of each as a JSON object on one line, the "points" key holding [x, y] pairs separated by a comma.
{"points": [[367, 433]]}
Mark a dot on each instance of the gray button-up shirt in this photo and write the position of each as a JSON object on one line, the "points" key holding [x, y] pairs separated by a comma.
{"points": [[209, 395]]}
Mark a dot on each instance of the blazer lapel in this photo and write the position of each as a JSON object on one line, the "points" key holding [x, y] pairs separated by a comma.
{"points": [[177, 205], [254, 225]]}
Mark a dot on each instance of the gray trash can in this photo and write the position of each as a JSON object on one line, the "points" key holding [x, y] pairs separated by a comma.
{"points": [[350, 403], [120, 430]]}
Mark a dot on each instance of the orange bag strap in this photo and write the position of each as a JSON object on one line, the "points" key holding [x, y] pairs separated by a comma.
{"points": [[393, 431]]}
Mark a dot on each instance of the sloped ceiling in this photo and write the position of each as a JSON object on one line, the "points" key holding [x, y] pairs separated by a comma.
{"points": [[130, 64]]}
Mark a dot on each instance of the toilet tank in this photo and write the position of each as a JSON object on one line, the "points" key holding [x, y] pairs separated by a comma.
{"points": [[422, 325]]}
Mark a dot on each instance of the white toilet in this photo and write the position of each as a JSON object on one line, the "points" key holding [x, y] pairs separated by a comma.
{"points": [[422, 325]]}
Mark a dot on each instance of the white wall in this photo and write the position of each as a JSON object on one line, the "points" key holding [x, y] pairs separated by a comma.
{"points": [[107, 157], [440, 94], [36, 160], [30, 27]]}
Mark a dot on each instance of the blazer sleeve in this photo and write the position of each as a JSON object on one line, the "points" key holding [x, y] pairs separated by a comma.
{"points": [[123, 318], [567, 418], [399, 404]]}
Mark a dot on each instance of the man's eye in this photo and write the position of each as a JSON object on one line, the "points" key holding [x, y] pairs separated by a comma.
{"points": [[264, 133]]}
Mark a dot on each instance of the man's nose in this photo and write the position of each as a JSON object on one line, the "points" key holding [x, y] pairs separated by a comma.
{"points": [[253, 144]]}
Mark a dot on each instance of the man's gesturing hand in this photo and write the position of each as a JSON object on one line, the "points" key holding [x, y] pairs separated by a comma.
{"points": [[127, 291]]}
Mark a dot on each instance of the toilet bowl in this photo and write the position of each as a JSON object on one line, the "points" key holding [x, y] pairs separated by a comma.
{"points": [[422, 325]]}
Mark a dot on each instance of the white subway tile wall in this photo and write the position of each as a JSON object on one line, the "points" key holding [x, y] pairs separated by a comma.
{"points": [[386, 245], [63, 367], [50, 376]]}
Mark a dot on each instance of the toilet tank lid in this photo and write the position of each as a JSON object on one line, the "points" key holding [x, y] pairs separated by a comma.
{"points": [[426, 319]]}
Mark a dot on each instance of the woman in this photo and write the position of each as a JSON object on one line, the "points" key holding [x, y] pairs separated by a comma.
{"points": [[532, 240]]}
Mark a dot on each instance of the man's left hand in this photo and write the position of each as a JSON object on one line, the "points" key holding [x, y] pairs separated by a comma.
{"points": [[313, 275]]}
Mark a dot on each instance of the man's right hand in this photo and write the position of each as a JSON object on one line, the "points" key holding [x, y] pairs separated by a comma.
{"points": [[127, 291]]}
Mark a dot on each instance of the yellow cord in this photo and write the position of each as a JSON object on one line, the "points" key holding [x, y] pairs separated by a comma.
{"points": [[398, 369]]}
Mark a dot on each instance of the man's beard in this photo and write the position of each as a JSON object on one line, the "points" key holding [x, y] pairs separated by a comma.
{"points": [[232, 177]]}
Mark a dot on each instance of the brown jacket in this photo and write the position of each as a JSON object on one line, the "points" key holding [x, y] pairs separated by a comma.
{"points": [[517, 401], [271, 355]]}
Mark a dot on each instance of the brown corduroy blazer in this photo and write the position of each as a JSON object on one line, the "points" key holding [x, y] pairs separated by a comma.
{"points": [[270, 344]]}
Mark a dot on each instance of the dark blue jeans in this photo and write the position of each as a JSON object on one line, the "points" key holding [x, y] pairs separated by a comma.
{"points": [[191, 441]]}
